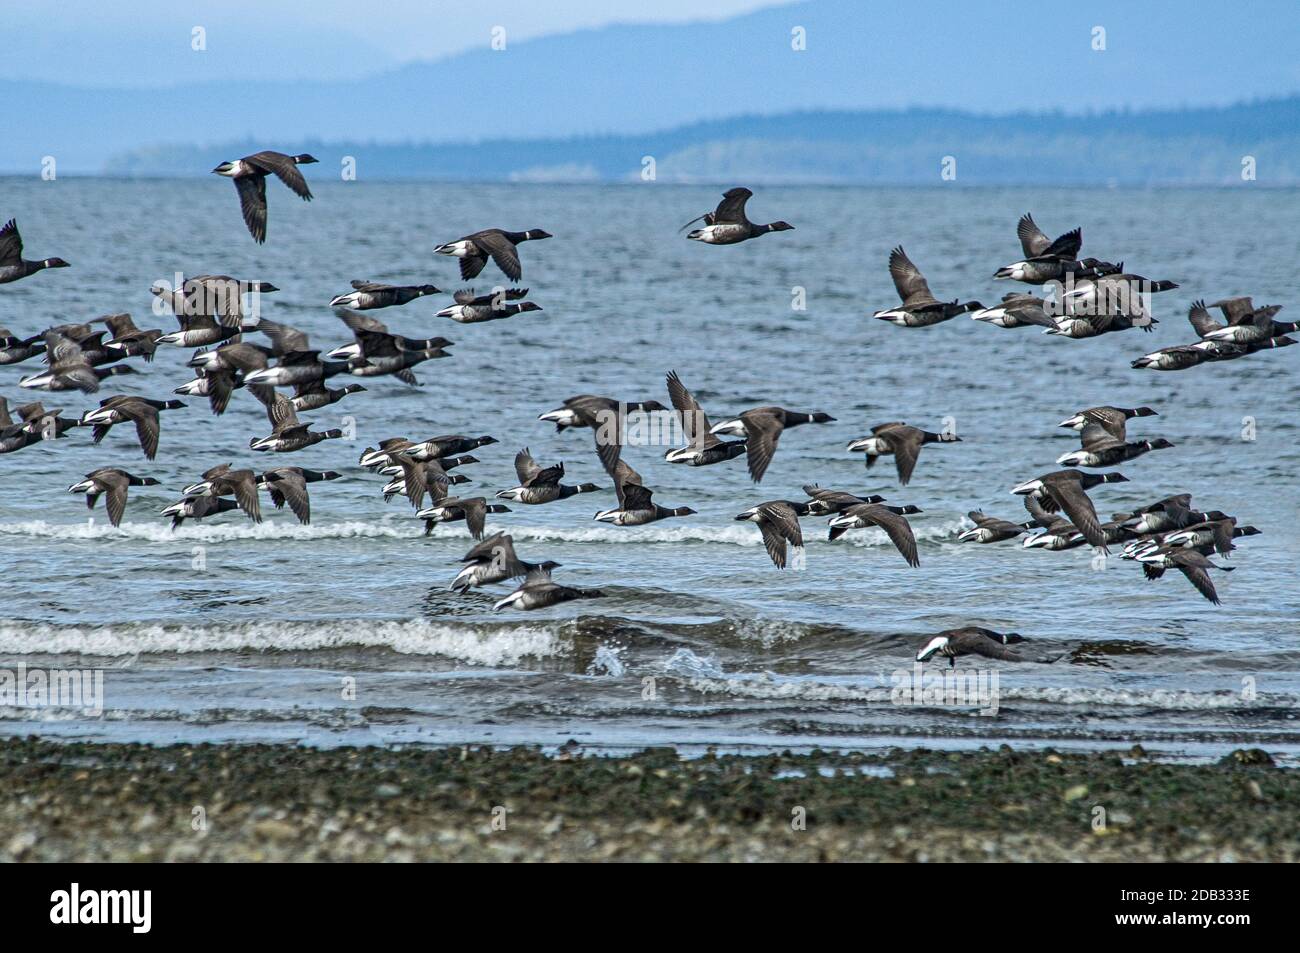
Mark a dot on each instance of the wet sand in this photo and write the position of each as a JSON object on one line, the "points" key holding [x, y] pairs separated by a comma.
{"points": [[109, 802]]}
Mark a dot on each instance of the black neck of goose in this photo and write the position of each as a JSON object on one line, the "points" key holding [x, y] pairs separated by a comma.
{"points": [[517, 237]]}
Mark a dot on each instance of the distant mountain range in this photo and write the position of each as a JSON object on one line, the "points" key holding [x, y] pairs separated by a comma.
{"points": [[607, 86], [1191, 146]]}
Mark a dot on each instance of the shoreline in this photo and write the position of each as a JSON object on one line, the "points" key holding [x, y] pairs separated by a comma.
{"points": [[73, 801]]}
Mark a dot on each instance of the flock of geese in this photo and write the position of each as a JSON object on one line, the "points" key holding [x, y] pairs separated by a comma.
{"points": [[1090, 297]]}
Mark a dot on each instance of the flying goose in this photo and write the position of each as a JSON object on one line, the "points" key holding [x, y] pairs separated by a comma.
{"points": [[705, 448], [1120, 292], [1189, 562], [38, 424], [889, 518], [1246, 323], [250, 175], [313, 395], [900, 440], [12, 264], [501, 246], [990, 529], [970, 640], [375, 352], [494, 560], [920, 309], [223, 481], [762, 428], [824, 502], [112, 483], [1045, 260], [368, 295], [197, 508], [15, 350], [540, 591], [1113, 419], [129, 339], [419, 478], [434, 447], [604, 415], [539, 484], [1101, 448], [297, 363], [1017, 311], [1176, 358], [1066, 490], [778, 522], [69, 369], [635, 506], [287, 434], [219, 299], [728, 223], [450, 509], [472, 309], [289, 485], [141, 411]]}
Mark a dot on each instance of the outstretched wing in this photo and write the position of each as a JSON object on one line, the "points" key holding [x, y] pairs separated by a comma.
{"points": [[909, 281], [284, 168], [731, 210]]}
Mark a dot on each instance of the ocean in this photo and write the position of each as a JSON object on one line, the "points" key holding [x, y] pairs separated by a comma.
{"points": [[344, 632]]}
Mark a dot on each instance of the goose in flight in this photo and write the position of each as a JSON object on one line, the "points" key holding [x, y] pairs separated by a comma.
{"points": [[249, 174]]}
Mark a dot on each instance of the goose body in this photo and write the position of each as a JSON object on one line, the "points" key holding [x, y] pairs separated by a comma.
{"points": [[892, 519], [501, 246], [902, 442], [919, 308], [635, 506], [539, 591], [762, 428], [728, 224], [12, 264], [370, 295], [970, 640], [705, 448], [111, 483], [778, 522], [539, 484], [249, 175]]}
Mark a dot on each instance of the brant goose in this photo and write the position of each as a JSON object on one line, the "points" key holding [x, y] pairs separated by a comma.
{"points": [[289, 485], [250, 175], [433, 448], [197, 508], [704, 448], [606, 416], [314, 395], [822, 502], [368, 295], [12, 264], [15, 350], [200, 330], [1120, 291], [419, 477], [889, 518], [501, 246], [1217, 535], [129, 339], [728, 224], [1113, 419], [1102, 436], [635, 506], [216, 297], [970, 640], [900, 440], [113, 483], [286, 433], [762, 428], [539, 591], [990, 529], [1192, 564], [1246, 324], [494, 560], [1045, 260], [69, 368], [471, 309], [141, 411], [1078, 326], [375, 352], [920, 308], [778, 522], [450, 509], [1067, 490], [1177, 358], [37, 422], [541, 485], [223, 481], [1017, 311]]}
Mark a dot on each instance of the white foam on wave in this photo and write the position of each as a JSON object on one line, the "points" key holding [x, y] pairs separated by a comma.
{"points": [[489, 645]]}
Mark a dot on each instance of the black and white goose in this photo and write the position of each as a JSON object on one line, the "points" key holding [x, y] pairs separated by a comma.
{"points": [[416, 479], [826, 502], [778, 523], [762, 428], [1045, 260], [635, 506], [1018, 311], [314, 395], [1067, 490], [37, 424], [112, 484], [501, 246], [990, 529], [433, 448], [221, 480], [450, 509], [494, 560], [69, 369], [15, 350], [130, 340], [197, 508], [1246, 323], [1122, 292], [538, 484], [704, 448], [369, 295], [12, 264], [287, 434], [728, 224], [1113, 419], [141, 411], [605, 416], [970, 640], [217, 298], [892, 519], [904, 443], [289, 485], [249, 175], [1103, 439], [375, 352], [1192, 564], [474, 309], [920, 308], [296, 362], [540, 591]]}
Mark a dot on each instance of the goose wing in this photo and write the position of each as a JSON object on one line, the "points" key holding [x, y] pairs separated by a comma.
{"points": [[502, 250], [1096, 437], [780, 524], [762, 432], [252, 202], [695, 423], [906, 443], [1065, 247], [284, 169], [1199, 578], [292, 487], [526, 468], [896, 527], [11, 244], [1074, 501], [1201, 320], [731, 210], [909, 281], [1032, 240]]}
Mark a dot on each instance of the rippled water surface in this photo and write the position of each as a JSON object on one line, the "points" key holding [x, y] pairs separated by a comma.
{"points": [[256, 644]]}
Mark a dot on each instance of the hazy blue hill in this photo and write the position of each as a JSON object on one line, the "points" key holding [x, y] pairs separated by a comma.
{"points": [[620, 80], [1198, 146]]}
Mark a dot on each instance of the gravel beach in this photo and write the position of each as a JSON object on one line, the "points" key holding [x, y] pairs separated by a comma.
{"points": [[111, 802]]}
